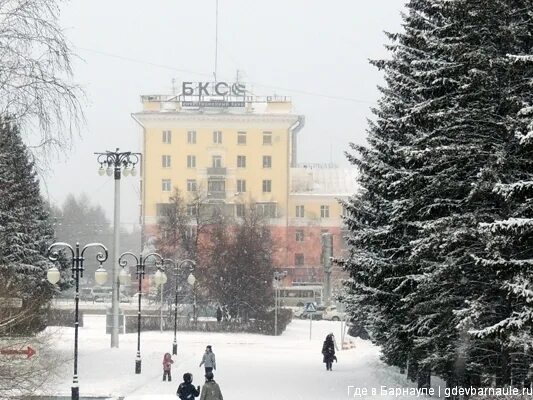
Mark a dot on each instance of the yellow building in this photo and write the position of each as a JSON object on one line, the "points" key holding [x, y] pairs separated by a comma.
{"points": [[216, 139]]}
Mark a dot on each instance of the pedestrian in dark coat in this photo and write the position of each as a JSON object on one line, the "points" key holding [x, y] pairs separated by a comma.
{"points": [[186, 390], [211, 390], [328, 351], [219, 314], [167, 362]]}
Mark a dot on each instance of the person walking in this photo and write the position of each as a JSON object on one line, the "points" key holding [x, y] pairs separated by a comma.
{"points": [[211, 390], [186, 390], [219, 313], [208, 360], [328, 351], [167, 362]]}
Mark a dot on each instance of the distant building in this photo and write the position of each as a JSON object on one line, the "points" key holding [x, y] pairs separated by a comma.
{"points": [[239, 148], [314, 209]]}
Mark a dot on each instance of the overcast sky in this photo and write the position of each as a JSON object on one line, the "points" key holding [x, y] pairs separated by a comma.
{"points": [[315, 51]]}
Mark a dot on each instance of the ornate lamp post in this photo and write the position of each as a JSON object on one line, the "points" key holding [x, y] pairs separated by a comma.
{"points": [[278, 277], [191, 280], [140, 272], [160, 278], [177, 269], [115, 163], [53, 275]]}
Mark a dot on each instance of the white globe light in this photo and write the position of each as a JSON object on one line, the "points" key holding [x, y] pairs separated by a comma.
{"points": [[53, 275], [133, 171], [101, 170], [109, 171], [191, 279], [100, 276], [158, 278], [126, 171], [124, 277]]}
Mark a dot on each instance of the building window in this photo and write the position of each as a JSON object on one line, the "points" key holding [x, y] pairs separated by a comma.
{"points": [[191, 137], [267, 138], [300, 211], [267, 210], [165, 185], [241, 185], [324, 211], [239, 210], [241, 161], [241, 137], [167, 137], [299, 235], [299, 259], [216, 185], [217, 137], [267, 186], [216, 161], [267, 161], [165, 161], [191, 210], [191, 161], [191, 185]]}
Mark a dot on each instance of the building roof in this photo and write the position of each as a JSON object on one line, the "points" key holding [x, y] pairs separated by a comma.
{"points": [[323, 179]]}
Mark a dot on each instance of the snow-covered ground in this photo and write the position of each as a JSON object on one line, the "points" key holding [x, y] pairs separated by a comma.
{"points": [[248, 366]]}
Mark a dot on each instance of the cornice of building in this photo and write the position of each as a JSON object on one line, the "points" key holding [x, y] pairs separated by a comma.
{"points": [[324, 195], [150, 116]]}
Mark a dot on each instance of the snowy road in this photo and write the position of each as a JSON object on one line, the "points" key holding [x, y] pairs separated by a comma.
{"points": [[249, 366]]}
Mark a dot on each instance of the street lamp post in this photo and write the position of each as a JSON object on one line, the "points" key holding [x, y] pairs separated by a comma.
{"points": [[160, 281], [115, 163], [140, 263], [53, 275], [190, 278], [278, 277]]}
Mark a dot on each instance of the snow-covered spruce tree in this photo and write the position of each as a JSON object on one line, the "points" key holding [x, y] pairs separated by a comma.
{"points": [[379, 216], [436, 151], [25, 234], [466, 120], [504, 314]]}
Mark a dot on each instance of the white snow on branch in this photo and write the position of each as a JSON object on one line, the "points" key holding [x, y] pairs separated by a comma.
{"points": [[521, 58], [508, 224], [508, 189]]}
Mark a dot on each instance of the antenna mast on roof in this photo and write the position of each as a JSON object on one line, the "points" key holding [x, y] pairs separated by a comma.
{"points": [[216, 41]]}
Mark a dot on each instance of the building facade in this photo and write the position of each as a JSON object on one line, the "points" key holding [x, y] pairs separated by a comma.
{"points": [[237, 149]]}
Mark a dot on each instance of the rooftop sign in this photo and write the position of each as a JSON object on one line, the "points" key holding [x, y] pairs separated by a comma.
{"points": [[213, 94]]}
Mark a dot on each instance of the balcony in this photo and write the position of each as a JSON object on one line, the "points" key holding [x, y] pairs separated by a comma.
{"points": [[216, 195], [216, 171]]}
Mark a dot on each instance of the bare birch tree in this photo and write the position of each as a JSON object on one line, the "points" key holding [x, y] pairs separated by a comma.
{"points": [[35, 72]]}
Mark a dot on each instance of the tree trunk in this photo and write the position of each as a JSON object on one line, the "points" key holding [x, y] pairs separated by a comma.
{"points": [[412, 370], [424, 378]]}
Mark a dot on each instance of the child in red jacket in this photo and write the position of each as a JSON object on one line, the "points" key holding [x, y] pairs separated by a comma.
{"points": [[167, 362]]}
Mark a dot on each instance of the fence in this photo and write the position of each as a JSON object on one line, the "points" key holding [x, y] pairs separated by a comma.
{"points": [[262, 324]]}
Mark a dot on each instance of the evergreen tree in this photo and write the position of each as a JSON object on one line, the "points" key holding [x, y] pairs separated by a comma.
{"points": [[436, 151], [25, 232], [466, 121], [379, 218], [503, 314]]}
